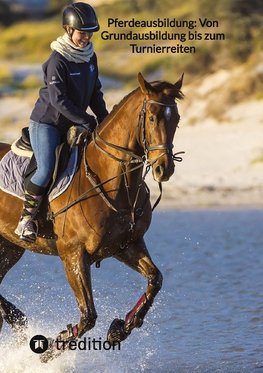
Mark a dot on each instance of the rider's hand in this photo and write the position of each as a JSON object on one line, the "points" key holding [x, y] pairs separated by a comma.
{"points": [[90, 125]]}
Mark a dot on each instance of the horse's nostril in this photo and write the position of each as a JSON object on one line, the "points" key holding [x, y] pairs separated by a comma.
{"points": [[159, 171], [162, 172]]}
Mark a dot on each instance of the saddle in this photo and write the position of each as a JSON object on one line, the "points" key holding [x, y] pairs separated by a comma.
{"points": [[22, 147], [23, 143]]}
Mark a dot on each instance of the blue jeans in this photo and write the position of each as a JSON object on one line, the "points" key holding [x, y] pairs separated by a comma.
{"points": [[44, 140]]}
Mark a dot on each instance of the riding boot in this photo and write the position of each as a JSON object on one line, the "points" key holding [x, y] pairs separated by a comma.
{"points": [[27, 227]]}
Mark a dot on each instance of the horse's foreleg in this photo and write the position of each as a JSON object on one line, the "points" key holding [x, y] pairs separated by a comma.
{"points": [[77, 268], [137, 257]]}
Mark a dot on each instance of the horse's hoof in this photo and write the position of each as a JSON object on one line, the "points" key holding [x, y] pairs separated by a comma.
{"points": [[60, 344], [116, 332], [51, 353]]}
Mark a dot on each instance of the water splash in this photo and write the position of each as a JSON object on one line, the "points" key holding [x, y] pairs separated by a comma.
{"points": [[135, 355], [18, 358]]}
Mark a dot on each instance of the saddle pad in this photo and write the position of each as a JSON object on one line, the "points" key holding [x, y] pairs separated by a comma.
{"points": [[13, 169]]}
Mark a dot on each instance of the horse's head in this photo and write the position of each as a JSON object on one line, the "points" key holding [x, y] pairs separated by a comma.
{"points": [[159, 120]]}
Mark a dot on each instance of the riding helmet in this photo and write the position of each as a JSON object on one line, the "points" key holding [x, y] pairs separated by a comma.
{"points": [[80, 16]]}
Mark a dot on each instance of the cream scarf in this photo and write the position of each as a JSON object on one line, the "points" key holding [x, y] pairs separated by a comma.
{"points": [[70, 51]]}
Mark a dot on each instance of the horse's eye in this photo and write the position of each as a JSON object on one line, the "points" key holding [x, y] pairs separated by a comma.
{"points": [[152, 119]]}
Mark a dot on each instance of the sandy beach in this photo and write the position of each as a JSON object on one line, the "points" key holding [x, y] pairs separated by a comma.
{"points": [[223, 161], [219, 166]]}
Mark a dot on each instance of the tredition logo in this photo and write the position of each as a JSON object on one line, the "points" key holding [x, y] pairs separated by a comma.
{"points": [[38, 344]]}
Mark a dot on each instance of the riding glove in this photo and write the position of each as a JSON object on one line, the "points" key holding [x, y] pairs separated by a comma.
{"points": [[91, 125]]}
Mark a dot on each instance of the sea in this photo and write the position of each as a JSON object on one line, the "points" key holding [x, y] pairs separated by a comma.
{"points": [[207, 318]]}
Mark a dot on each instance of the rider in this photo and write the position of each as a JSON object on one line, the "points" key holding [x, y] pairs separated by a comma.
{"points": [[71, 86]]}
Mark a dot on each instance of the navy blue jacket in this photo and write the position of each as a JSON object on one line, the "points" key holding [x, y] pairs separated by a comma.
{"points": [[69, 89]]}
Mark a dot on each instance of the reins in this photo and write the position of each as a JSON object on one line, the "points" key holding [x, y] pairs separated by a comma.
{"points": [[140, 161], [85, 196]]}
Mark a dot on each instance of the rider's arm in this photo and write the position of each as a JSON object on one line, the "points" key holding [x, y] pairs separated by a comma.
{"points": [[56, 82], [97, 103]]}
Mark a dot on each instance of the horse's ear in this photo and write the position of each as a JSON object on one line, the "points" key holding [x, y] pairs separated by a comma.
{"points": [[146, 87], [175, 90], [179, 83]]}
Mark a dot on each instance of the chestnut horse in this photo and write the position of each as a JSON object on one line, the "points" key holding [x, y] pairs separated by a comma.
{"points": [[95, 222]]}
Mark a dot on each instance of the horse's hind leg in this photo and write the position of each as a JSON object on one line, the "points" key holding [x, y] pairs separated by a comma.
{"points": [[12, 315], [9, 256], [137, 257]]}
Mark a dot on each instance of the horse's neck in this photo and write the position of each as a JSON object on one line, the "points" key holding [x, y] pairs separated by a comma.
{"points": [[122, 126], [120, 129]]}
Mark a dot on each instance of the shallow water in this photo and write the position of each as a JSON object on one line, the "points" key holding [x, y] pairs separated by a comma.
{"points": [[208, 316]]}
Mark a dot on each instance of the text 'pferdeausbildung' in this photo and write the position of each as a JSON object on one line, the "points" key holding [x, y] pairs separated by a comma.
{"points": [[162, 35]]}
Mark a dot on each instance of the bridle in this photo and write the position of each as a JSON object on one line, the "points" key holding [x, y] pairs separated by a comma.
{"points": [[142, 124], [136, 159]]}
